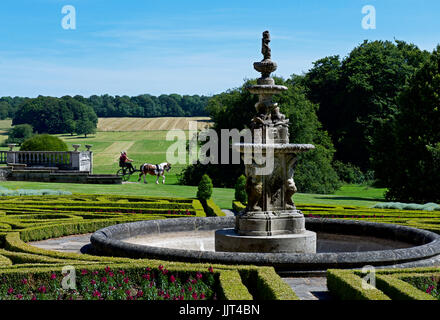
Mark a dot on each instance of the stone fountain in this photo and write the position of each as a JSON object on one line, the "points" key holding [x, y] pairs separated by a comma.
{"points": [[270, 222]]}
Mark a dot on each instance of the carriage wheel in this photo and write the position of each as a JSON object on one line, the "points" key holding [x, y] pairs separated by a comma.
{"points": [[123, 174]]}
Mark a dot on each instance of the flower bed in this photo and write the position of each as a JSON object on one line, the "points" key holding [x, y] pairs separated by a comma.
{"points": [[428, 284], [112, 284]]}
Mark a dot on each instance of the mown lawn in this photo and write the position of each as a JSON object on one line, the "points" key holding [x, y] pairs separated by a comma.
{"points": [[351, 195]]}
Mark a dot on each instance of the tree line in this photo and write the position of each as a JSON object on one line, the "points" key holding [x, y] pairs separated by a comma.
{"points": [[143, 106]]}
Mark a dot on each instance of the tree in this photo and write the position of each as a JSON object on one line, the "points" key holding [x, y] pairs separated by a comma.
{"points": [[354, 94], [19, 133], [53, 115], [85, 127], [406, 157], [43, 142], [235, 109], [204, 190], [240, 189]]}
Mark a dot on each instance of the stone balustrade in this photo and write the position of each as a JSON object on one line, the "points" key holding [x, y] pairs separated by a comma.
{"points": [[63, 160]]}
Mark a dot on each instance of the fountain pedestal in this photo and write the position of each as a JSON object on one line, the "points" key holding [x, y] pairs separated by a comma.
{"points": [[270, 222]]}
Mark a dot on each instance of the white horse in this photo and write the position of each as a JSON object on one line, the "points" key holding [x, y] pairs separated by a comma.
{"points": [[155, 170]]}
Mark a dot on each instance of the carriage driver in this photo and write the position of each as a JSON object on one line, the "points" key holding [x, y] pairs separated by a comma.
{"points": [[124, 161]]}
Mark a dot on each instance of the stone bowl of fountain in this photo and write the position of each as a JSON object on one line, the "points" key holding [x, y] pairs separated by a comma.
{"points": [[270, 230]]}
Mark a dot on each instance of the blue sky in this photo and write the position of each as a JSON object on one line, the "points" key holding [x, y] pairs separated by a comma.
{"points": [[187, 46]]}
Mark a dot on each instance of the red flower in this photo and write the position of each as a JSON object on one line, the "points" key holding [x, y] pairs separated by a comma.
{"points": [[167, 296], [111, 274], [96, 293], [181, 297], [104, 279], [93, 282], [42, 289], [34, 297], [190, 288], [202, 296], [122, 272], [24, 281], [140, 293], [194, 295], [194, 281], [19, 296], [10, 291], [84, 272], [53, 276], [126, 280], [107, 269], [146, 276], [127, 292], [95, 273], [172, 279], [210, 269], [199, 275], [161, 267], [147, 269]]}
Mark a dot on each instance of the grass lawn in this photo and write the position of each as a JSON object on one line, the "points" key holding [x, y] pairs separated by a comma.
{"points": [[349, 195]]}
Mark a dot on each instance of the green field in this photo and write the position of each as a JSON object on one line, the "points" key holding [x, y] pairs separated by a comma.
{"points": [[141, 146], [151, 146], [350, 195]]}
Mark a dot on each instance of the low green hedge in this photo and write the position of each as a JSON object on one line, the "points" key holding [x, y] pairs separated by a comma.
{"points": [[211, 209], [346, 285], [390, 284], [5, 261], [265, 284], [237, 206], [231, 286], [398, 289]]}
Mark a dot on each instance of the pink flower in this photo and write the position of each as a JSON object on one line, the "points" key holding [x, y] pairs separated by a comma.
{"points": [[84, 272], [194, 295], [111, 274], [210, 269], [140, 293], [126, 280], [34, 297], [95, 273], [42, 289], [96, 293], [122, 272], [194, 281], [24, 281], [161, 267], [167, 296], [199, 275], [19, 296], [93, 282], [190, 288], [147, 269], [10, 291], [104, 279], [172, 279], [127, 292], [180, 297], [182, 290], [202, 296], [53, 276], [107, 269]]}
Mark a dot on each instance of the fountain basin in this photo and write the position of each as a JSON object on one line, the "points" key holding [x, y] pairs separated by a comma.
{"points": [[423, 246]]}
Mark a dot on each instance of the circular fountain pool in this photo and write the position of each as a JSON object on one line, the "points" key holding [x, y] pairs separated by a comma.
{"points": [[341, 244]]}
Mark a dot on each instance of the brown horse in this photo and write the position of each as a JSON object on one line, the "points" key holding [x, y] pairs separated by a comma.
{"points": [[155, 170]]}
